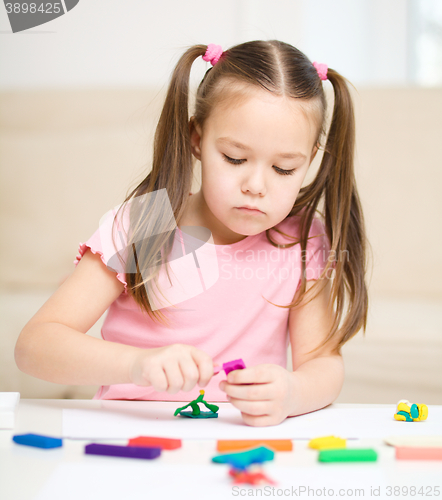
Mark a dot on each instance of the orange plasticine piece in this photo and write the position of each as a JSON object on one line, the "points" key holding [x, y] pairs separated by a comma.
{"points": [[244, 444]]}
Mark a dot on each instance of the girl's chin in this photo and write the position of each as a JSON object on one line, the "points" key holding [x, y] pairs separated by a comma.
{"points": [[246, 229]]}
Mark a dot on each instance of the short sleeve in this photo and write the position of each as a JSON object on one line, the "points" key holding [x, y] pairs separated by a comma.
{"points": [[318, 250], [101, 243]]}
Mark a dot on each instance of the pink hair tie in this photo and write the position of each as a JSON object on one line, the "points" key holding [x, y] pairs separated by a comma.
{"points": [[321, 69], [213, 53]]}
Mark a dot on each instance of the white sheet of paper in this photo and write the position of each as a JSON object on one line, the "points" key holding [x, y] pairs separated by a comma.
{"points": [[117, 421], [138, 481], [118, 479]]}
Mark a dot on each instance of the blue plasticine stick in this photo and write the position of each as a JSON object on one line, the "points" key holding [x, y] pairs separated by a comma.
{"points": [[37, 440]]}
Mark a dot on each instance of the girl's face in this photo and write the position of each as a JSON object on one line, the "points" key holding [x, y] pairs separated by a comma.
{"points": [[255, 154]]}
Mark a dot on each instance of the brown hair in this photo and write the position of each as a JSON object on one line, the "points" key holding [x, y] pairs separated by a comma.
{"points": [[285, 71]]}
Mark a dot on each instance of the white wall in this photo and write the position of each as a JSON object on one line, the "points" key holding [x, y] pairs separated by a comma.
{"points": [[137, 42], [365, 40]]}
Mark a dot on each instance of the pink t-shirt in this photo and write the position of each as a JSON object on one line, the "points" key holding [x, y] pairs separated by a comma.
{"points": [[226, 314]]}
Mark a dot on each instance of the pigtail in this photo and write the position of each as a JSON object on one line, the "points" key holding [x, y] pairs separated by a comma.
{"points": [[152, 231], [172, 158], [343, 216]]}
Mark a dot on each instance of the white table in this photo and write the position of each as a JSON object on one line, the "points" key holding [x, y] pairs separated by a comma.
{"points": [[65, 473]]}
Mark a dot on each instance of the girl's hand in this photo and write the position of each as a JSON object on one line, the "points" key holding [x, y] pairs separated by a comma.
{"points": [[262, 393], [173, 368]]}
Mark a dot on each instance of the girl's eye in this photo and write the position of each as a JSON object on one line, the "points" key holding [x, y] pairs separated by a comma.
{"points": [[232, 160], [285, 172], [279, 170]]}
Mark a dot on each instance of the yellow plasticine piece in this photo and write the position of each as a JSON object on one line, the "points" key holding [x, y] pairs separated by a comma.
{"points": [[423, 413], [327, 442], [398, 417], [403, 407]]}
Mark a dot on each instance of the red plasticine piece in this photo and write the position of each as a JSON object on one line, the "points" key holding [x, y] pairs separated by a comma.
{"points": [[250, 477], [163, 443]]}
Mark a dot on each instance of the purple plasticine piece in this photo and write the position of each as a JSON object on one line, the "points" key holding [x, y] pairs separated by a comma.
{"points": [[122, 451], [236, 364]]}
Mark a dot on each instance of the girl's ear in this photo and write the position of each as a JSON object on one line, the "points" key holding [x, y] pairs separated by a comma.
{"points": [[195, 138]]}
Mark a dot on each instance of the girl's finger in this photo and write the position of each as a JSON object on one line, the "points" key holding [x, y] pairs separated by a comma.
{"points": [[189, 372], [252, 407], [259, 374], [158, 380], [248, 392], [259, 420], [174, 377], [205, 367]]}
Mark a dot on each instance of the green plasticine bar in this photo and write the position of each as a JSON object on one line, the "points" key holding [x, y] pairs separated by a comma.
{"points": [[348, 455]]}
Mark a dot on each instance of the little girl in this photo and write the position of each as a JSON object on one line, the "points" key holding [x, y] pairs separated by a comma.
{"points": [[238, 269]]}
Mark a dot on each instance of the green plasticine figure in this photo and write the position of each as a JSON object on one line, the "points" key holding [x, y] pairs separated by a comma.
{"points": [[196, 412]]}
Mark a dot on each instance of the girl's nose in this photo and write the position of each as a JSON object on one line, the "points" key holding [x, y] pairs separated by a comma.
{"points": [[254, 181]]}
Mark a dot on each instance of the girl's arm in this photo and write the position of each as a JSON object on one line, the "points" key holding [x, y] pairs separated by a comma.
{"points": [[317, 377], [53, 346]]}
